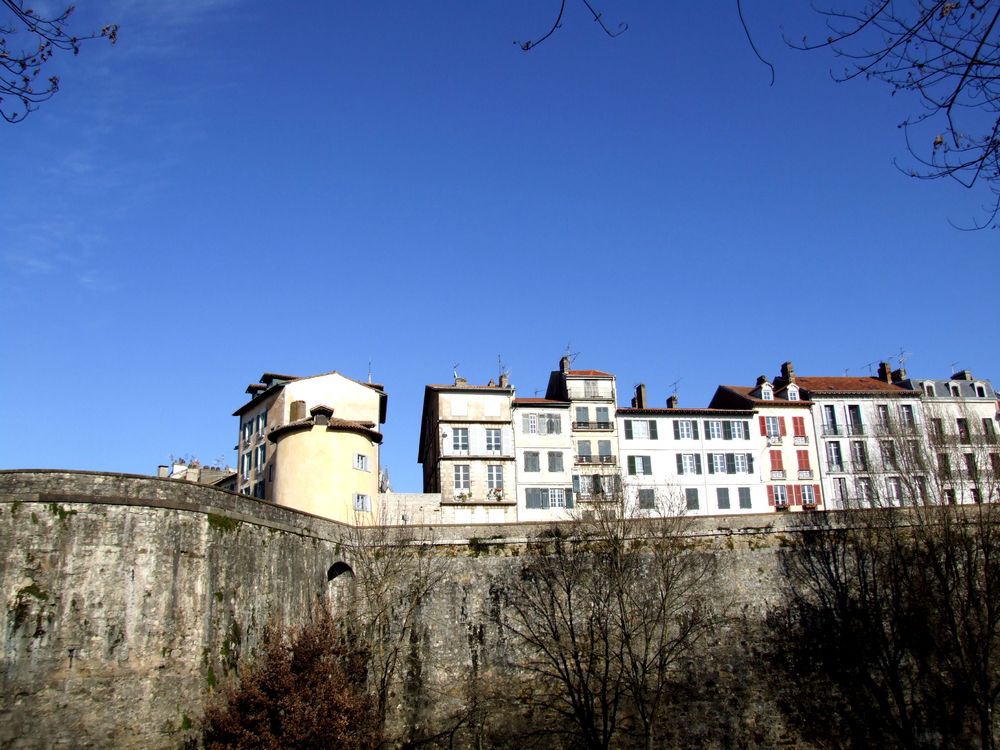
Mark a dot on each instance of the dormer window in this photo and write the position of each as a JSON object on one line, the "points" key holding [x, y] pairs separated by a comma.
{"points": [[980, 390], [766, 393], [929, 389], [793, 393], [955, 392]]}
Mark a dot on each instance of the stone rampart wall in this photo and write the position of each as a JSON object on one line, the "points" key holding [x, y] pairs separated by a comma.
{"points": [[126, 599]]}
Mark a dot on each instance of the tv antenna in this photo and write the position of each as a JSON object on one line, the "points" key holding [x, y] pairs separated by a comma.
{"points": [[954, 367], [571, 354], [501, 367], [369, 372], [869, 366], [901, 357], [674, 387], [454, 369]]}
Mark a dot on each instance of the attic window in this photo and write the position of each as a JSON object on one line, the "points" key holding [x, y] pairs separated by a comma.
{"points": [[980, 390], [955, 392], [929, 389], [766, 393], [793, 393]]}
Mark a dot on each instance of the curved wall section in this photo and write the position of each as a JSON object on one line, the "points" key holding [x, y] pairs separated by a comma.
{"points": [[125, 599]]}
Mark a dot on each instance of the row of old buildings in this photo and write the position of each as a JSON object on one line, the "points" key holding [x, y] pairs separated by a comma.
{"points": [[787, 444]]}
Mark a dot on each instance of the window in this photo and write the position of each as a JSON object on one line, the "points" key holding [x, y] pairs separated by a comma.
{"points": [[688, 463], [829, 420], [888, 449], [714, 429], [949, 496], [766, 393], [582, 414], [604, 450], [894, 490], [361, 462], [555, 461], [963, 431], [744, 493], [647, 499], [245, 466], [865, 489], [494, 477], [557, 497], [772, 427], [742, 463], [460, 439], [944, 465], [261, 422], [777, 465], [691, 496], [462, 481], [906, 416], [640, 429], [602, 416], [541, 424], [779, 495], [955, 392], [258, 490], [976, 497], [840, 487], [531, 462], [989, 430], [859, 455], [929, 389], [362, 503], [493, 444], [793, 393], [739, 430], [970, 464], [685, 429], [995, 465], [639, 465], [854, 420], [834, 458], [718, 461], [590, 389], [808, 495], [799, 427], [802, 457], [980, 391], [583, 451], [261, 456], [247, 430], [937, 426], [883, 415], [722, 495]]}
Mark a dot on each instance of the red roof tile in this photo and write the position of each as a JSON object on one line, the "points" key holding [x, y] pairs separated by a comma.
{"points": [[849, 385], [549, 401], [591, 373]]}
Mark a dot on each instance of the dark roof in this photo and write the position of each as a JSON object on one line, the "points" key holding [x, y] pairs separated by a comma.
{"points": [[539, 402], [845, 384], [662, 411], [726, 395]]}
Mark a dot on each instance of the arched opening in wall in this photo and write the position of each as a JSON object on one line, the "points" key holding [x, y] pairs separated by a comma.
{"points": [[339, 586]]}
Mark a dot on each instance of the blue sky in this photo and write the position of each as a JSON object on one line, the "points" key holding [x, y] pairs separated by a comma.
{"points": [[238, 188]]}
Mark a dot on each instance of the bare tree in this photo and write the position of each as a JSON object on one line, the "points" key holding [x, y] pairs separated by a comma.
{"points": [[394, 569], [22, 86], [947, 53], [606, 607]]}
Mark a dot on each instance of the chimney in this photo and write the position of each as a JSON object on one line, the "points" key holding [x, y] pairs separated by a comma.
{"points": [[787, 373], [962, 375], [504, 380], [162, 471], [884, 372], [672, 402], [639, 401], [459, 380], [761, 380], [298, 411], [898, 376], [564, 365]]}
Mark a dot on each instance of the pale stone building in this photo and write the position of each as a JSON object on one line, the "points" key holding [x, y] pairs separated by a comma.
{"points": [[312, 443]]}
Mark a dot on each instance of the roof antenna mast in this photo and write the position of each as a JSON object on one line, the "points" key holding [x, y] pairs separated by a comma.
{"points": [[369, 372]]}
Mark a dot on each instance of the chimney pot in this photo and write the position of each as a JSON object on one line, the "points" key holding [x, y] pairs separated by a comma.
{"points": [[672, 402], [639, 402], [787, 372], [761, 380], [564, 365], [504, 380], [884, 372]]}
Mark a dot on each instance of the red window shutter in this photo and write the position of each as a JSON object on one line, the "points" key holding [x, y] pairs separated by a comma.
{"points": [[770, 495], [776, 461], [799, 426], [797, 490], [781, 426], [803, 460], [819, 498], [763, 427]]}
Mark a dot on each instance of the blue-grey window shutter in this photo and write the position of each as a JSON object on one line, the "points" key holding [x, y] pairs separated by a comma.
{"points": [[727, 430], [631, 464], [532, 500], [746, 430], [707, 430], [628, 429], [744, 497], [680, 461], [750, 463], [697, 463], [730, 463], [711, 464], [677, 431], [652, 430], [569, 498], [694, 427], [647, 465]]}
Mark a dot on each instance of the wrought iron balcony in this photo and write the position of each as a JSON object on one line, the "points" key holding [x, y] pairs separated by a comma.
{"points": [[603, 426], [833, 429], [856, 429], [606, 460], [800, 440], [805, 473], [777, 473]]}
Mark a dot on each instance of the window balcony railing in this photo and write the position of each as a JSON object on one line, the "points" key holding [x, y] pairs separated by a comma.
{"points": [[855, 429], [777, 473], [835, 466], [800, 440], [833, 429], [606, 460], [774, 439], [604, 426], [805, 473]]}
